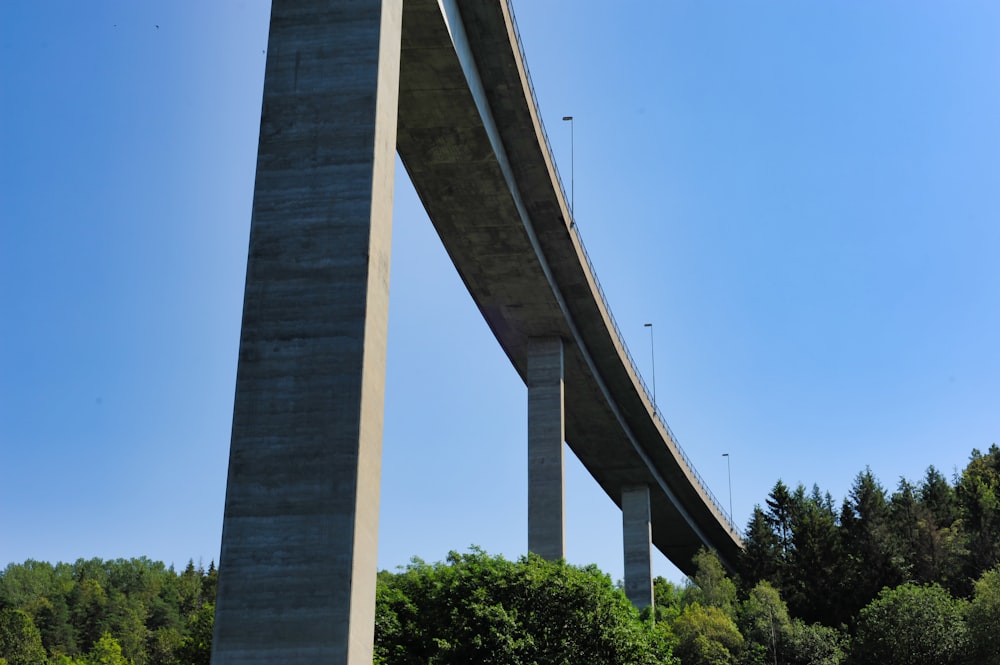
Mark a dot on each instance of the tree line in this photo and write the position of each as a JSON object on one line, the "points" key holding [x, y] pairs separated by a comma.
{"points": [[909, 576], [828, 561], [474, 608], [94, 612]]}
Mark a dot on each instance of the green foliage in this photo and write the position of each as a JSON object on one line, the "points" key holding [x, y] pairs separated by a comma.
{"points": [[927, 538], [780, 512], [814, 645], [984, 620], [706, 636], [63, 659], [20, 641], [148, 609], [162, 646], [978, 497], [480, 609], [710, 585], [763, 620], [196, 648], [911, 625], [870, 562], [773, 636], [829, 564], [816, 562], [761, 555], [106, 651], [667, 600]]}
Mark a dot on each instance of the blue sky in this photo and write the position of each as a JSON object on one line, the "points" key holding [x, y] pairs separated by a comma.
{"points": [[801, 197]]}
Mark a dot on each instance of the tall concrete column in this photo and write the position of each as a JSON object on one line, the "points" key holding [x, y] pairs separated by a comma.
{"points": [[298, 562], [546, 433], [637, 534]]}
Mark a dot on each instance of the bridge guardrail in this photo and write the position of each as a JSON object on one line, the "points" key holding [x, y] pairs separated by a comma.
{"points": [[575, 228]]}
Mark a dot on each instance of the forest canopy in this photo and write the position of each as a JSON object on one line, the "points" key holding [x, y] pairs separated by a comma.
{"points": [[908, 576]]}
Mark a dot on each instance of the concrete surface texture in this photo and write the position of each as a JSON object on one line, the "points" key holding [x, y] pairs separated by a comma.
{"points": [[297, 567], [637, 536], [546, 485], [299, 536]]}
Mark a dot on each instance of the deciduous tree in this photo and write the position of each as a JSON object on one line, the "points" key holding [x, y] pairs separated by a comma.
{"points": [[984, 619], [911, 625], [475, 608], [706, 636], [20, 641]]}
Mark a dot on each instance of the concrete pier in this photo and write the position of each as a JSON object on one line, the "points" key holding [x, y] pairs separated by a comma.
{"points": [[546, 433], [298, 561], [637, 536]]}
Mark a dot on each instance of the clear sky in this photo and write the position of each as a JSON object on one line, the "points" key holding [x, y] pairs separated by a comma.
{"points": [[803, 198]]}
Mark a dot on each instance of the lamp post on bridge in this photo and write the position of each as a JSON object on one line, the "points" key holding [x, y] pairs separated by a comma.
{"points": [[729, 468], [572, 169], [652, 359]]}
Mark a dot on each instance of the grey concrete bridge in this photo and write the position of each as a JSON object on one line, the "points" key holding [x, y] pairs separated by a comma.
{"points": [[443, 82]]}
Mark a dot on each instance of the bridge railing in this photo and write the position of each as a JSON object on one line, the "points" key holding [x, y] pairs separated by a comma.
{"points": [[575, 228]]}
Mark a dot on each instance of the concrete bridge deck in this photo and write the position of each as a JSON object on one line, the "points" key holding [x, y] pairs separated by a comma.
{"points": [[471, 139]]}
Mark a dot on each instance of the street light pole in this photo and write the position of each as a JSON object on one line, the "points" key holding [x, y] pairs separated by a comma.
{"points": [[572, 168], [729, 468], [652, 358]]}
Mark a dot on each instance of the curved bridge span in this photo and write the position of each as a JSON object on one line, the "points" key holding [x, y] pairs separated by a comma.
{"points": [[445, 83], [472, 141]]}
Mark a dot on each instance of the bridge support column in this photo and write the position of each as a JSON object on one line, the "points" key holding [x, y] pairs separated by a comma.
{"points": [[546, 433], [638, 545], [298, 562]]}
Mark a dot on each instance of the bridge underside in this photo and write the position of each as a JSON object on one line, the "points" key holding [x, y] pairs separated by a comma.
{"points": [[492, 195], [442, 82]]}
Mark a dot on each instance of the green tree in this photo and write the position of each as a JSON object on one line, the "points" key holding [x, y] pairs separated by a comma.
{"points": [[20, 641], [189, 589], [710, 586], [984, 619], [773, 636], [814, 645], [63, 659], [40, 589], [937, 495], [926, 534], [667, 599], [51, 615], [870, 561], [126, 620], [163, 645], [759, 559], [475, 608], [196, 648], [816, 560], [780, 509], [764, 623], [706, 636], [88, 605], [978, 496], [106, 651], [911, 625], [210, 583]]}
